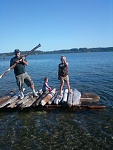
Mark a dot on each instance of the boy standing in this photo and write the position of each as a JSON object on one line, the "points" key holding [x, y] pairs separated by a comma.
{"points": [[63, 74]]}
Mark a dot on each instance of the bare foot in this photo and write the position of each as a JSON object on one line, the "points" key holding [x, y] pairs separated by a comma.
{"points": [[60, 95], [70, 92]]}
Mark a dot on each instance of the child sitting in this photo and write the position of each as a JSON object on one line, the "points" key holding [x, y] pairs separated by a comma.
{"points": [[46, 86]]}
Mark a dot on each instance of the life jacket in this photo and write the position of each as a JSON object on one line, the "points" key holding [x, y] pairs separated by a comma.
{"points": [[63, 70]]}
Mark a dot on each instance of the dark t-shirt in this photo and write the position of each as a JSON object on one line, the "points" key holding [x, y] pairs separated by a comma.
{"points": [[19, 68], [63, 70]]}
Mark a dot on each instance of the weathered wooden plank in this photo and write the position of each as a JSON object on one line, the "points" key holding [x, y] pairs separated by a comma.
{"points": [[30, 101], [25, 99], [9, 101], [89, 97], [87, 107], [7, 96], [17, 101], [13, 104], [73, 108]]}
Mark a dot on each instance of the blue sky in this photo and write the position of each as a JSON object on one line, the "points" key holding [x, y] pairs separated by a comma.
{"points": [[56, 24]]}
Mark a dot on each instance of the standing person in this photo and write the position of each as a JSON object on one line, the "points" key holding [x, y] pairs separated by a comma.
{"points": [[21, 74], [46, 86], [63, 74]]}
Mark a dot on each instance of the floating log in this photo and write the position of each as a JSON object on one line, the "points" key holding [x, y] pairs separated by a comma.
{"points": [[48, 97], [53, 98], [41, 98], [58, 98], [76, 97], [70, 97], [65, 95]]}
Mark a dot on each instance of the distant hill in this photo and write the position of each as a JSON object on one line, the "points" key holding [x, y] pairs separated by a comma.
{"points": [[72, 50], [82, 50]]}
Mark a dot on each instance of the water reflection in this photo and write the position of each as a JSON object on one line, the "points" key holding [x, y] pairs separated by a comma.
{"points": [[62, 130]]}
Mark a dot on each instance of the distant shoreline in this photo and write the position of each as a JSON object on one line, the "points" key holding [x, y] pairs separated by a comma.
{"points": [[72, 50]]}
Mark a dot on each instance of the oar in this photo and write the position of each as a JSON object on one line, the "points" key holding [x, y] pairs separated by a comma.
{"points": [[39, 45]]}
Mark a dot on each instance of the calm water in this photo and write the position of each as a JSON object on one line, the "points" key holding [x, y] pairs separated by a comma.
{"points": [[58, 130]]}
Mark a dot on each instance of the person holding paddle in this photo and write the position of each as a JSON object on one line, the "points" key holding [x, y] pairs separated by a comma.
{"points": [[63, 74], [20, 73]]}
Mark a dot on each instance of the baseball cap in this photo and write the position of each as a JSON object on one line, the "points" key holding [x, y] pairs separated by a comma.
{"points": [[16, 51]]}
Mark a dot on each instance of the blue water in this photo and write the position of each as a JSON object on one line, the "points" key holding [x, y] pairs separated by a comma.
{"points": [[84, 129]]}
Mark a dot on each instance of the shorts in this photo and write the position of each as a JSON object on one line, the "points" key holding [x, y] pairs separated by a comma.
{"points": [[20, 79], [64, 79]]}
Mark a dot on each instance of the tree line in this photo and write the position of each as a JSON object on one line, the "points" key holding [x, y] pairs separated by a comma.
{"points": [[72, 50]]}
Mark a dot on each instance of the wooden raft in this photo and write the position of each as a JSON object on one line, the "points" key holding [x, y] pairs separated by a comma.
{"points": [[51, 100]]}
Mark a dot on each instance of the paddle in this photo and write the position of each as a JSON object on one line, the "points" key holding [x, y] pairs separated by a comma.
{"points": [[39, 45]]}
